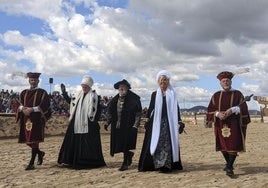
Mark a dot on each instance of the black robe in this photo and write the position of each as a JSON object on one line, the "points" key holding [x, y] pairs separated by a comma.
{"points": [[124, 138], [82, 151], [146, 162]]}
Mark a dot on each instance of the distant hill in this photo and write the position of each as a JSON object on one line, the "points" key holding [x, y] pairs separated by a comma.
{"points": [[194, 109], [204, 109], [198, 108]]}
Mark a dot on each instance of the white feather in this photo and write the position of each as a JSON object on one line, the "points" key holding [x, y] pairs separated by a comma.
{"points": [[241, 71]]}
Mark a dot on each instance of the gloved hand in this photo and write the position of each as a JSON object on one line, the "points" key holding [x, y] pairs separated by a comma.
{"points": [[106, 127], [181, 128], [63, 88]]}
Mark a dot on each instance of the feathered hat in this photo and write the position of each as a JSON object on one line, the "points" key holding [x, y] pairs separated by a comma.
{"points": [[33, 74], [225, 74]]}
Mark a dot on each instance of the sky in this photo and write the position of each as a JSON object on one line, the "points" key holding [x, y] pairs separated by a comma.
{"points": [[111, 40]]}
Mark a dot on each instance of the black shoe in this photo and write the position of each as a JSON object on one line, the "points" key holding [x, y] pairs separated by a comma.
{"points": [[123, 167], [40, 158], [131, 154], [230, 173], [225, 168], [165, 170], [30, 167]]}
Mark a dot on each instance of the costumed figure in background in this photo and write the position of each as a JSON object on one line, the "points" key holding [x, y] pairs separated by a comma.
{"points": [[81, 147], [32, 114], [160, 150], [124, 114], [230, 117]]}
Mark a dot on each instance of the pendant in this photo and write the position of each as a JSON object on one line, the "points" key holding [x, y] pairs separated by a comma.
{"points": [[29, 125], [226, 131]]}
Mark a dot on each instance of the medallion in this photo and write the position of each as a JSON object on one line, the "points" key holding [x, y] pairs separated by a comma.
{"points": [[226, 131], [29, 125]]}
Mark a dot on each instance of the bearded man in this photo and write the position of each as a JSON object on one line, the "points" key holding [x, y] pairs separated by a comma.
{"points": [[124, 114], [230, 116], [32, 115]]}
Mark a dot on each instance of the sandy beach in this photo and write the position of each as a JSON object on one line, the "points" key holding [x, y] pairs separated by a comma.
{"points": [[203, 166]]}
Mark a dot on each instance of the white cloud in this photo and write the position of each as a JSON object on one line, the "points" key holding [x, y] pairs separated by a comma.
{"points": [[35, 8], [188, 38]]}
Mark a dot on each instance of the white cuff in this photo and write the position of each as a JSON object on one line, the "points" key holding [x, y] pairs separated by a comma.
{"points": [[20, 108], [235, 109], [36, 109]]}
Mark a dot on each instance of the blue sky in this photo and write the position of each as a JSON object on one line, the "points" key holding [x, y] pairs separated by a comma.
{"points": [[115, 39]]}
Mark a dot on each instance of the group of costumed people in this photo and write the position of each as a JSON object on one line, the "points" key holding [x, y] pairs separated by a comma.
{"points": [[81, 147]]}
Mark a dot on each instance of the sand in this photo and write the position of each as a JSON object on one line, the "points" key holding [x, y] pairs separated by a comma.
{"points": [[203, 166]]}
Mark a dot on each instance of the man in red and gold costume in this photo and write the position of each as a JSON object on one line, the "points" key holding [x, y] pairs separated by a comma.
{"points": [[32, 114], [230, 116]]}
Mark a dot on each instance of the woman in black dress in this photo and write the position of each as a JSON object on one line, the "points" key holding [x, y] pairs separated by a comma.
{"points": [[81, 147], [160, 149]]}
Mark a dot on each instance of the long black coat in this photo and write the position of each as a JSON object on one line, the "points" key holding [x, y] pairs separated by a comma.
{"points": [[124, 138]]}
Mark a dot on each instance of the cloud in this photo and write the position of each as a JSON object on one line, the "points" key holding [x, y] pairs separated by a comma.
{"points": [[33, 8], [191, 39]]}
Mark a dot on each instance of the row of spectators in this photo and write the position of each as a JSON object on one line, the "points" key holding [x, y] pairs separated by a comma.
{"points": [[9, 102], [60, 106]]}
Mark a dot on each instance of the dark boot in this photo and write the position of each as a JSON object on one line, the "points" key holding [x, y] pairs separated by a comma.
{"points": [[124, 165], [130, 156], [229, 170], [165, 169], [31, 163], [226, 157], [41, 155]]}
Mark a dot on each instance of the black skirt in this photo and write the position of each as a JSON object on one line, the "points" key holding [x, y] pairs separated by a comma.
{"points": [[80, 151]]}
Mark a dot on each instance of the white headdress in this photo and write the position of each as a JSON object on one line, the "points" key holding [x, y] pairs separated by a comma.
{"points": [[87, 80], [162, 73]]}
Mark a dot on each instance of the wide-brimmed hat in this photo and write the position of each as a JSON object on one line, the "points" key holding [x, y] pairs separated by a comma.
{"points": [[124, 82]]}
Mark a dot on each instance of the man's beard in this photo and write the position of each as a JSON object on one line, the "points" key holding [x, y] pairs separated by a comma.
{"points": [[122, 93]]}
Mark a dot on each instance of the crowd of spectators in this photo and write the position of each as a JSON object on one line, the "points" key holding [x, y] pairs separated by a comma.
{"points": [[10, 102], [59, 105]]}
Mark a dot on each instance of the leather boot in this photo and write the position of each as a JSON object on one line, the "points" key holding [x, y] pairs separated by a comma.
{"points": [[226, 157], [41, 155], [130, 156], [124, 165], [31, 163], [229, 170]]}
